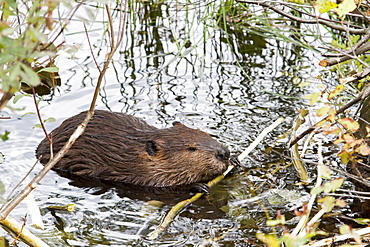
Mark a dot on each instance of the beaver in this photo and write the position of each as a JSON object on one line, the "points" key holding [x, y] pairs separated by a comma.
{"points": [[122, 148]]}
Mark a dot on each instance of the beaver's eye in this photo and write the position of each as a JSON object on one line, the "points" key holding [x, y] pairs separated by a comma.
{"points": [[191, 149]]}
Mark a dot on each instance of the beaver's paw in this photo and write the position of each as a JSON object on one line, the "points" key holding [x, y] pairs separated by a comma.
{"points": [[200, 188], [235, 161]]}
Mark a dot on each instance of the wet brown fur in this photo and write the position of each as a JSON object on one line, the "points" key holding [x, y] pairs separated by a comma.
{"points": [[123, 148]]}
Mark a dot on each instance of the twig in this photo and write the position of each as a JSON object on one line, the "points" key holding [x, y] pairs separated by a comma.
{"points": [[175, 209], [364, 94], [25, 234], [39, 116], [347, 195], [362, 41], [19, 234], [358, 179], [335, 60], [356, 77], [331, 240], [91, 49], [354, 191], [259, 138], [20, 182]]}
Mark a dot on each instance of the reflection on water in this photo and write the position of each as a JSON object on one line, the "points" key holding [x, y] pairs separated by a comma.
{"points": [[174, 64]]}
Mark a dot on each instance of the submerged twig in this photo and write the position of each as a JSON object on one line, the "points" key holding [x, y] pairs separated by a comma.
{"points": [[300, 227], [23, 233], [175, 209], [294, 153]]}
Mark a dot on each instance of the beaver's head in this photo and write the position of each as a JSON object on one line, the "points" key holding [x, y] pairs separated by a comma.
{"points": [[181, 155]]}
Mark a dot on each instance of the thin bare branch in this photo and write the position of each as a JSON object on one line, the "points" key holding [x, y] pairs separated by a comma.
{"points": [[347, 56], [39, 115]]}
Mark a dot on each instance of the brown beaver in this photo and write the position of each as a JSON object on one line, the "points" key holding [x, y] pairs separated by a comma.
{"points": [[123, 148]]}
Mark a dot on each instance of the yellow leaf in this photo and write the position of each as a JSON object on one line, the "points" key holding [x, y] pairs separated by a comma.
{"points": [[344, 156], [349, 124], [341, 203], [345, 7], [348, 138], [320, 124], [313, 97], [326, 126], [324, 5], [269, 239], [327, 203], [335, 92], [344, 229], [322, 111], [331, 115], [334, 131], [368, 131], [363, 149], [325, 171]]}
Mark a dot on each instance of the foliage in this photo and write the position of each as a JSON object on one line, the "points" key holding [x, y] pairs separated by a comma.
{"points": [[341, 31], [4, 136], [307, 228], [25, 43]]}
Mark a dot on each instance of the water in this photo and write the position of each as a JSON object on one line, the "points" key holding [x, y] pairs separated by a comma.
{"points": [[173, 65]]}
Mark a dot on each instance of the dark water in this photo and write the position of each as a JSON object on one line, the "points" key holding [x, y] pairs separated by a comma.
{"points": [[173, 65]]}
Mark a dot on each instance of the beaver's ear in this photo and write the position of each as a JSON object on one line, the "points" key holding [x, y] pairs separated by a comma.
{"points": [[152, 147], [177, 123]]}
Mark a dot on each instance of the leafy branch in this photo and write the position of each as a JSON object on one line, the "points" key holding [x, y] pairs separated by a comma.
{"points": [[10, 205]]}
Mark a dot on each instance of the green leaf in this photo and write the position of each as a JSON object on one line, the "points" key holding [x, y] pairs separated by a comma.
{"points": [[50, 119], [269, 239], [49, 69], [333, 185], [327, 203], [341, 203], [5, 136], [317, 190], [29, 76], [322, 111], [276, 222], [19, 96], [362, 221], [37, 126]]}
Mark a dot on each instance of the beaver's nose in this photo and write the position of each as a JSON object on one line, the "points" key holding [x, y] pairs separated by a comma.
{"points": [[223, 154]]}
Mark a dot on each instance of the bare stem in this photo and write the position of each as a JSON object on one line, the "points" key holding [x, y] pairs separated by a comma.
{"points": [[39, 115]]}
